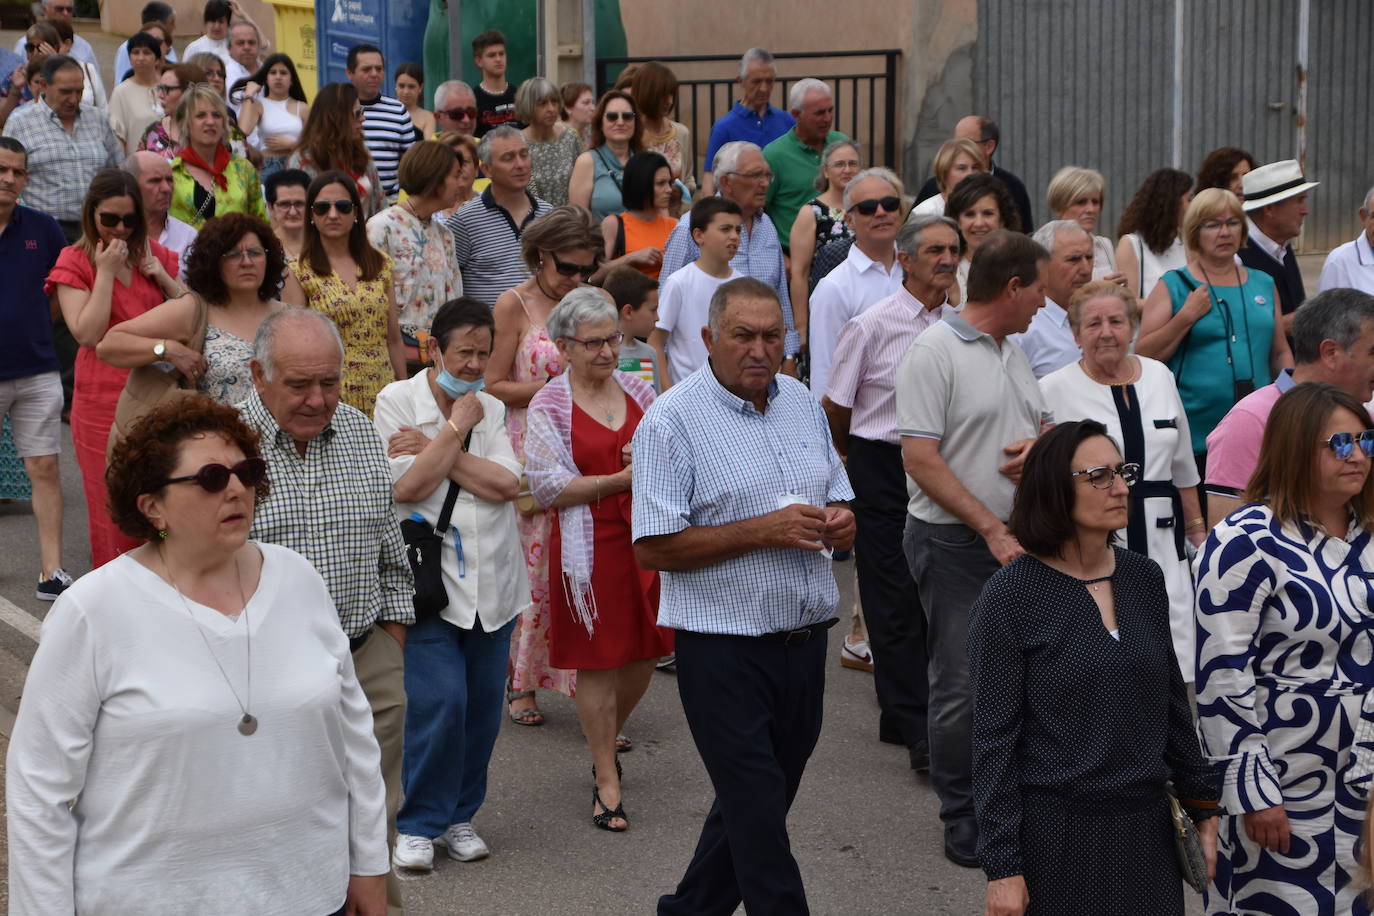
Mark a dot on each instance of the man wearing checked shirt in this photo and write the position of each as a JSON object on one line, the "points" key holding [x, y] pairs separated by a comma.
{"points": [[331, 502], [737, 491]]}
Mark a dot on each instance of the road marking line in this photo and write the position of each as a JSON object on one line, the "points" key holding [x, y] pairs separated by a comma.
{"points": [[20, 619]]}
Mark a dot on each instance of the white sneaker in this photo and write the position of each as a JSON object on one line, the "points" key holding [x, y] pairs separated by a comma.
{"points": [[415, 853], [463, 843]]}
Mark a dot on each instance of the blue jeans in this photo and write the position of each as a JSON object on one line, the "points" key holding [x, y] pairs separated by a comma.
{"points": [[454, 684]]}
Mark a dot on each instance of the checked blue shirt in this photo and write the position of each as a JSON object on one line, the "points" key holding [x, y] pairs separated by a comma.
{"points": [[705, 457]]}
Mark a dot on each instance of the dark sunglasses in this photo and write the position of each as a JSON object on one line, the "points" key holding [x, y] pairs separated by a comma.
{"points": [[869, 207], [321, 207], [30, 47], [110, 220], [1103, 477], [1343, 444], [620, 116], [568, 270], [215, 477], [459, 114]]}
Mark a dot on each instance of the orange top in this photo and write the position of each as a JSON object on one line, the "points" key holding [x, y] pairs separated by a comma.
{"points": [[639, 234]]}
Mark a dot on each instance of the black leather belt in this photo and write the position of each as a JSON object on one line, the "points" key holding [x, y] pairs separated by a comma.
{"points": [[801, 635], [355, 643]]}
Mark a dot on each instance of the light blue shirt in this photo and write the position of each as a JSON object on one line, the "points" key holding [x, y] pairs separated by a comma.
{"points": [[759, 256], [706, 457], [1048, 343]]}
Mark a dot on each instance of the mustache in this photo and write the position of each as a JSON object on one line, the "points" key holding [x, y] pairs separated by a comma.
{"points": [[945, 269]]}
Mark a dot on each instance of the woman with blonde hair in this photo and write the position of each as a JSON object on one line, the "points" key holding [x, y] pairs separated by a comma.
{"points": [[1076, 193], [207, 179], [1216, 324], [955, 161]]}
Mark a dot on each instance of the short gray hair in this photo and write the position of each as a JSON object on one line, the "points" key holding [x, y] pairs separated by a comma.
{"points": [[1047, 235], [252, 25], [584, 305], [876, 172], [265, 341], [1369, 199], [910, 236], [532, 93], [755, 56], [727, 157], [738, 288], [496, 133], [1338, 314], [796, 96], [451, 87]]}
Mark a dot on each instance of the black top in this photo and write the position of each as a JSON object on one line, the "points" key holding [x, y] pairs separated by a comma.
{"points": [[494, 109], [1015, 185], [1060, 705], [1287, 275]]}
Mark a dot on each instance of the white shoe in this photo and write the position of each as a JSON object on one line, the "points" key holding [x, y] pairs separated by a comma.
{"points": [[463, 843], [415, 853], [857, 655]]}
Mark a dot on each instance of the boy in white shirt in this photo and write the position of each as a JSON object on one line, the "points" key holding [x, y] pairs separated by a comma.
{"points": [[685, 297]]}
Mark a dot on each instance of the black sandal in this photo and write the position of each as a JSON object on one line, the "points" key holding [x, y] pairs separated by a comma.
{"points": [[603, 820]]}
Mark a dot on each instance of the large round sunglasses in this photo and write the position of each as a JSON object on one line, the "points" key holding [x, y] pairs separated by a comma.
{"points": [[1343, 444], [213, 478], [1103, 477]]}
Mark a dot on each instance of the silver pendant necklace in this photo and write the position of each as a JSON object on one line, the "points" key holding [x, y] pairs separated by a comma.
{"points": [[248, 724]]}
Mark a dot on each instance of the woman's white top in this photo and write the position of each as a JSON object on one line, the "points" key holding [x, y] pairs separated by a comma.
{"points": [[278, 120], [494, 585], [1104, 257], [126, 714], [931, 206], [1154, 266], [93, 90]]}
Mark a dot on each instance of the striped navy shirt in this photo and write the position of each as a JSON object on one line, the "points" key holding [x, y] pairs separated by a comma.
{"points": [[488, 245], [388, 132]]}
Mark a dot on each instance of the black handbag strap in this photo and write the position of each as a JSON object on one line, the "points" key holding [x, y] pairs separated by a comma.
{"points": [[450, 498]]}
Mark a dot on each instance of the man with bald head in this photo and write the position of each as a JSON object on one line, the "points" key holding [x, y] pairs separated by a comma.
{"points": [[984, 131], [1048, 343], [331, 503], [154, 175]]}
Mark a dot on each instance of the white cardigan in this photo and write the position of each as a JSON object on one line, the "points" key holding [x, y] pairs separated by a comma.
{"points": [[175, 812]]}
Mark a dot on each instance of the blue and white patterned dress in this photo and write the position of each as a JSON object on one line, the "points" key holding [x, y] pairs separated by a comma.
{"points": [[1285, 663]]}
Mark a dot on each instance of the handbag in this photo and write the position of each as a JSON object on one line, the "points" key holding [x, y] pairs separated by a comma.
{"points": [[525, 503], [424, 553], [1188, 846], [152, 385]]}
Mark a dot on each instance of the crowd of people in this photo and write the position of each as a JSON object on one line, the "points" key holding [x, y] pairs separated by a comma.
{"points": [[389, 419]]}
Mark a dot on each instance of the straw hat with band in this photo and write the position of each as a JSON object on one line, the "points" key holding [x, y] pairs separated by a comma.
{"points": [[1272, 183]]}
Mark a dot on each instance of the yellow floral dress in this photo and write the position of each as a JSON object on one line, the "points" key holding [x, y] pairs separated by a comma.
{"points": [[360, 311]]}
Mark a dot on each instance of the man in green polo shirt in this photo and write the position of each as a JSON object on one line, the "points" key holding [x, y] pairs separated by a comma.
{"points": [[795, 157]]}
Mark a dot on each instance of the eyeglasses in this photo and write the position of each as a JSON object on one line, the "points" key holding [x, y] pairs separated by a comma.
{"points": [[755, 176], [213, 478], [1342, 445], [63, 9], [290, 205], [1213, 225], [110, 220], [626, 116], [843, 164], [568, 270], [459, 114], [239, 254], [321, 207], [1103, 477], [30, 47], [594, 344], [163, 89], [890, 204]]}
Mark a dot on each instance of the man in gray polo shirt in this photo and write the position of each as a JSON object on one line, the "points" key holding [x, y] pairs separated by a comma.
{"points": [[968, 409]]}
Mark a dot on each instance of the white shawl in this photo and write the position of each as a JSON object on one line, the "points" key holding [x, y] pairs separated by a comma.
{"points": [[550, 467]]}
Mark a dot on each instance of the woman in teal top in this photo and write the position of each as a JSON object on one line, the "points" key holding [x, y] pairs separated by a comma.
{"points": [[597, 174], [1217, 325]]}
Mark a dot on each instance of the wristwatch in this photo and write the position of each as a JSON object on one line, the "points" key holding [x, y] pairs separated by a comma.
{"points": [[160, 349]]}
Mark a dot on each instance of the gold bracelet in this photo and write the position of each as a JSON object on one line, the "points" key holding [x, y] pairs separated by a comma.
{"points": [[1193, 523], [449, 421]]}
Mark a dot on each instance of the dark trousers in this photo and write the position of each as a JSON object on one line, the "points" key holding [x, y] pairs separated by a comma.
{"points": [[950, 564], [754, 709], [892, 604]]}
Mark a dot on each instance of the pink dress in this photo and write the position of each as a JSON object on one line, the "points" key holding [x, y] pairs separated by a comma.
{"points": [[536, 358]]}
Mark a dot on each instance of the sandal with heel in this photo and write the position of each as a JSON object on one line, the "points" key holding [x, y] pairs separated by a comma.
{"points": [[603, 820]]}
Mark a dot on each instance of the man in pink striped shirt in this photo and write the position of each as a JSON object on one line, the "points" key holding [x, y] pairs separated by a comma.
{"points": [[861, 406]]}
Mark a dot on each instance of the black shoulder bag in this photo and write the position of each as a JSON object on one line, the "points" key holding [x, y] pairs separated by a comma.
{"points": [[425, 548]]}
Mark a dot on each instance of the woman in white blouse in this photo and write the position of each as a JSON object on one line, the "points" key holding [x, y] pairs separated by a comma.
{"points": [[192, 737], [444, 433]]}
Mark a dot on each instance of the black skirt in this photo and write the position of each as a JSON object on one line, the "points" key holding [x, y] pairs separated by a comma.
{"points": [[1083, 856]]}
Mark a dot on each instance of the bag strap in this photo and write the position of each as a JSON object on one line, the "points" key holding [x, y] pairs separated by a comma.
{"points": [[450, 498], [1140, 260], [199, 324], [618, 250]]}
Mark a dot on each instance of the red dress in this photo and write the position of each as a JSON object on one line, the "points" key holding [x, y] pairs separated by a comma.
{"points": [[96, 388], [626, 596]]}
